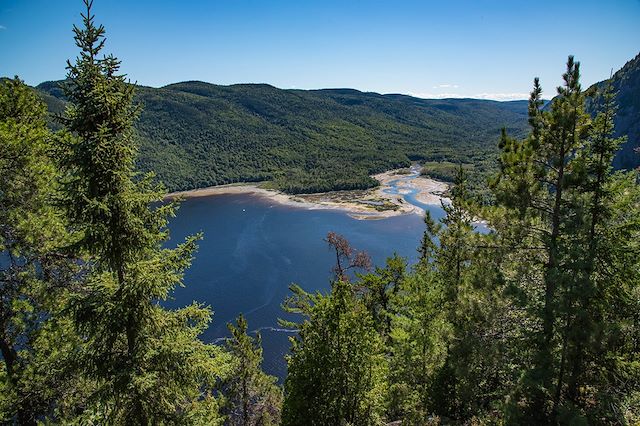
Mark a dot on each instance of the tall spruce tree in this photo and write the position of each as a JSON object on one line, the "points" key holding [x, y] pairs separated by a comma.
{"points": [[147, 361]]}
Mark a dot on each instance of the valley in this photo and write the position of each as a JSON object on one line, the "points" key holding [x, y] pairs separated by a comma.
{"points": [[400, 191]]}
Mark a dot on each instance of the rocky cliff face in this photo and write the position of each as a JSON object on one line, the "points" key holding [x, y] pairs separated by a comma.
{"points": [[626, 82]]}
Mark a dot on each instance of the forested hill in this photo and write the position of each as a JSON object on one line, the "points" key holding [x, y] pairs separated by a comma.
{"points": [[626, 82], [195, 134]]}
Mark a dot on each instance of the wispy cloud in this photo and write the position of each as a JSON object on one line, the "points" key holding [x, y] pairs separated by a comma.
{"points": [[488, 96], [446, 86], [2, 27], [502, 96], [437, 95]]}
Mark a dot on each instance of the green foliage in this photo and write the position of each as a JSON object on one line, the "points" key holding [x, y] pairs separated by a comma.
{"points": [[444, 171], [532, 323], [449, 359], [337, 368], [253, 397], [378, 289], [147, 362], [574, 277], [35, 275], [195, 134], [537, 322], [418, 347]]}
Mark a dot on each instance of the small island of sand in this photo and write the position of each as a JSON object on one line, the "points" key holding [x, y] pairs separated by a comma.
{"points": [[375, 203]]}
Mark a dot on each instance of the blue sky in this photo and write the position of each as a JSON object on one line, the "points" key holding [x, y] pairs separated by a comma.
{"points": [[482, 48]]}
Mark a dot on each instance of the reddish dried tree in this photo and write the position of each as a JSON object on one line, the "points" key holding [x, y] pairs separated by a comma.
{"points": [[346, 257]]}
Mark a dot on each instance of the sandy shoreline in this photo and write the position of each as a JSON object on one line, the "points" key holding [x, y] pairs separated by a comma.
{"points": [[365, 204]]}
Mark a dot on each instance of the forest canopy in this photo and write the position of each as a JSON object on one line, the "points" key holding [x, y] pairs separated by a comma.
{"points": [[535, 322]]}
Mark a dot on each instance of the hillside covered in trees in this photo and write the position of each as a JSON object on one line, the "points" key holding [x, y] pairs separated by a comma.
{"points": [[196, 134], [535, 323]]}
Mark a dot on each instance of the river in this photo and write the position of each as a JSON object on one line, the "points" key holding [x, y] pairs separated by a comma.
{"points": [[254, 248]]}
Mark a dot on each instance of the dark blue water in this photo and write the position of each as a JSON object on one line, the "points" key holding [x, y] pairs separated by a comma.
{"points": [[254, 249]]}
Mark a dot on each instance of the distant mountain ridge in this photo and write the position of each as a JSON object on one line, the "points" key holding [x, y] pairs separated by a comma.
{"points": [[195, 134]]}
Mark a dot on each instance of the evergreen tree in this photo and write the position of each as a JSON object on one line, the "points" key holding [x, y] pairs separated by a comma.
{"points": [[35, 274], [253, 396], [337, 368], [558, 193], [147, 361], [604, 273], [378, 289], [537, 180], [428, 245], [451, 324], [418, 347], [453, 260]]}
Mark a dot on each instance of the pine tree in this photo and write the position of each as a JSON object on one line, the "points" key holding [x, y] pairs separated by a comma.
{"points": [[35, 273], [428, 245], [337, 368], [539, 168], [253, 396], [557, 194], [147, 361], [378, 289], [599, 276], [455, 262], [418, 347]]}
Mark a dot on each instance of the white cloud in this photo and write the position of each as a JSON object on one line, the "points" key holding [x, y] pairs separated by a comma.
{"points": [[446, 86], [488, 96], [437, 95], [502, 96]]}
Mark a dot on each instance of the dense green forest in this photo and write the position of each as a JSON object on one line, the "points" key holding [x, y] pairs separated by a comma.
{"points": [[196, 134], [536, 322]]}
